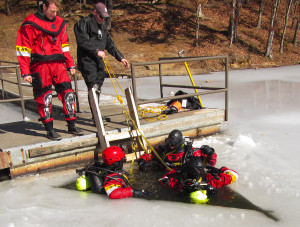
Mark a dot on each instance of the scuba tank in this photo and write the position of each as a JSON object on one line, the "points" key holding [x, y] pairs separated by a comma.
{"points": [[93, 176]]}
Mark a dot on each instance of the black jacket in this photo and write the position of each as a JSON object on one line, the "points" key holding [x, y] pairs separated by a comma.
{"points": [[92, 37]]}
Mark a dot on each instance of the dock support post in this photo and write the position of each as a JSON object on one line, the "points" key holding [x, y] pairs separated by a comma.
{"points": [[134, 116], [101, 134]]}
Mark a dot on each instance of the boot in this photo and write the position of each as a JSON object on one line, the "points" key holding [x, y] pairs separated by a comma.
{"points": [[74, 130], [51, 134]]}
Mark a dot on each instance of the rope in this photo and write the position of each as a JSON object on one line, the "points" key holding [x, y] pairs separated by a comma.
{"points": [[142, 112], [127, 116], [153, 110]]}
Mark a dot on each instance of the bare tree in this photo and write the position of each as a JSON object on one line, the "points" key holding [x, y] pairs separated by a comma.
{"points": [[199, 15], [82, 2], [295, 13], [296, 17], [287, 13], [261, 8], [7, 7], [275, 9], [236, 5], [197, 24], [296, 33]]}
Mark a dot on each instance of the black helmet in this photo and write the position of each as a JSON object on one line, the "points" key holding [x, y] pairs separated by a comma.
{"points": [[175, 140], [195, 168]]}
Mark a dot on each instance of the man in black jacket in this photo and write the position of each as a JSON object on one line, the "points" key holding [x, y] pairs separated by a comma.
{"points": [[92, 39]]}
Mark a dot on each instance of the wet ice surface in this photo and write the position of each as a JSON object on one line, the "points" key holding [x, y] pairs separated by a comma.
{"points": [[260, 142]]}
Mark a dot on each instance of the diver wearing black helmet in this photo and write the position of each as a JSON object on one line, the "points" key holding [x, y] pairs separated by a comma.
{"points": [[175, 150], [195, 177]]}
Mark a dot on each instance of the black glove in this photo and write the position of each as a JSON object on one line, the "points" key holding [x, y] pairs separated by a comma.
{"points": [[207, 150], [213, 171], [189, 149], [164, 180], [140, 193], [123, 147], [143, 165]]}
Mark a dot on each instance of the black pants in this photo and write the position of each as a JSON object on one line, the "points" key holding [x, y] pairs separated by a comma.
{"points": [[93, 72]]}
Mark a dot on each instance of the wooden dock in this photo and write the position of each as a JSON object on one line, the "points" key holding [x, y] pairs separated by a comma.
{"points": [[26, 150]]}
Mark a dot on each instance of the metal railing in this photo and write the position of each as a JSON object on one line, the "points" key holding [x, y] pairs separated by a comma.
{"points": [[210, 90], [21, 98]]}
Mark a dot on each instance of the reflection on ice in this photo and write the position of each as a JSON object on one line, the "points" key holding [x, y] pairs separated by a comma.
{"points": [[265, 97]]}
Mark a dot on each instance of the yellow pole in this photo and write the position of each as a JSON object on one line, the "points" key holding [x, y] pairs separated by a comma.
{"points": [[191, 78]]}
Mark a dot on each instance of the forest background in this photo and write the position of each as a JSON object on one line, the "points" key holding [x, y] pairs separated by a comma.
{"points": [[253, 33]]}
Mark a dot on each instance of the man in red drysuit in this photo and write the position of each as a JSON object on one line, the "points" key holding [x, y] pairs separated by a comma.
{"points": [[43, 52], [175, 151]]}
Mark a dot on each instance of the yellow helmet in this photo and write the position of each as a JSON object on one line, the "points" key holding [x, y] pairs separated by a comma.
{"points": [[83, 183]]}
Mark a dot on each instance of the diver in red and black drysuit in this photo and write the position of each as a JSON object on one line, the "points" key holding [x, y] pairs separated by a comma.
{"points": [[109, 177], [43, 52], [194, 176], [175, 151]]}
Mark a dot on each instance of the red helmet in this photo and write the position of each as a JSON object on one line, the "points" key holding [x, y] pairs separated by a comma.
{"points": [[113, 154]]}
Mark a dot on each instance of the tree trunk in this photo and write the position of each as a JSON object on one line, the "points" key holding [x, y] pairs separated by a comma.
{"points": [[109, 5], [231, 23], [295, 20], [236, 5], [296, 34], [261, 8], [197, 24], [82, 2], [285, 24], [275, 9], [7, 7]]}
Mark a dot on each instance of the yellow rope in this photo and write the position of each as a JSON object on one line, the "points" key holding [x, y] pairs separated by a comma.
{"points": [[142, 112], [133, 122], [153, 110]]}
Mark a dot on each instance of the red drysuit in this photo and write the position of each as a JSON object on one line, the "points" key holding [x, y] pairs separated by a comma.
{"points": [[225, 177], [117, 186], [175, 159], [43, 52]]}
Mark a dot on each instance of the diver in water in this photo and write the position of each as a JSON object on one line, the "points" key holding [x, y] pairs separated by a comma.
{"points": [[176, 150], [194, 177], [109, 177]]}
